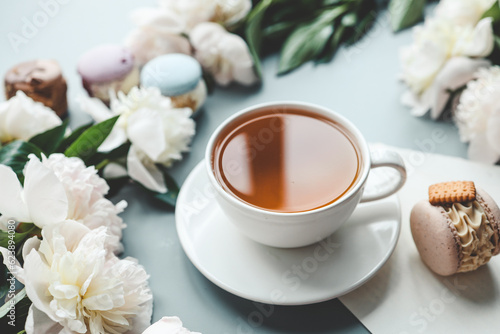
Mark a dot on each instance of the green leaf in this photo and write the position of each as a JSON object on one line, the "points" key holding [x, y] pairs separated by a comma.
{"points": [[331, 2], [362, 27], [493, 12], [253, 32], [497, 41], [15, 155], [119, 152], [4, 274], [170, 197], [405, 13], [16, 299], [333, 44], [22, 305], [278, 30], [349, 20], [72, 137], [50, 140], [309, 40], [27, 230], [85, 146]]}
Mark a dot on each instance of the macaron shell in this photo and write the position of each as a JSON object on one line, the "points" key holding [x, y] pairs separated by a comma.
{"points": [[105, 63], [174, 74], [435, 238], [492, 211]]}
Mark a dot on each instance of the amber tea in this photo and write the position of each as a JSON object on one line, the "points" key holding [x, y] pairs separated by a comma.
{"points": [[286, 160]]}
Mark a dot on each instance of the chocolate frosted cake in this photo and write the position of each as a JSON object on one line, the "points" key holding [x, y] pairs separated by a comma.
{"points": [[41, 80]]}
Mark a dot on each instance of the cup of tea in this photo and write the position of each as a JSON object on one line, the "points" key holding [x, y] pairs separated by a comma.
{"points": [[288, 174]]}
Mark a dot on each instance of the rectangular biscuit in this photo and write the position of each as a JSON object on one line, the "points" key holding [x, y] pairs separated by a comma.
{"points": [[452, 192]]}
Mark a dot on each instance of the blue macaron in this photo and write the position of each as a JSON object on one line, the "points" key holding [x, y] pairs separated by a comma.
{"points": [[174, 74]]}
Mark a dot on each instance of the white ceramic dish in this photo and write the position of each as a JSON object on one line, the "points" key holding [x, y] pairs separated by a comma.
{"points": [[322, 271]]}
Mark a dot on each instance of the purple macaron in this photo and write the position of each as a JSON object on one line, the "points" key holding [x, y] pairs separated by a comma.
{"points": [[108, 67]]}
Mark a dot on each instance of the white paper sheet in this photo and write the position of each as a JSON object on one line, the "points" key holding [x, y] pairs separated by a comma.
{"points": [[405, 296]]}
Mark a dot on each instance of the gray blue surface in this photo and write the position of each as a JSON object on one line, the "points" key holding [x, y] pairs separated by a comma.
{"points": [[361, 83]]}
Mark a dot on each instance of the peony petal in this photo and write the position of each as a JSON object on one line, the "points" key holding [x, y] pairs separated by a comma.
{"points": [[421, 62], [149, 176], [493, 131], [455, 73], [31, 243], [147, 43], [237, 52], [419, 107], [15, 268], [44, 194], [36, 281], [145, 131], [482, 42], [222, 54], [4, 223], [95, 108], [245, 75], [11, 200], [480, 150], [102, 302], [114, 170], [100, 112], [462, 12], [27, 118], [72, 231], [231, 12], [116, 138], [38, 322], [167, 325], [163, 20]]}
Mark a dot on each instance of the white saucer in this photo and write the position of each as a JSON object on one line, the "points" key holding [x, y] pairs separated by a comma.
{"points": [[306, 275]]}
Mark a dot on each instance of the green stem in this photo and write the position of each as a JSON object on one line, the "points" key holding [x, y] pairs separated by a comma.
{"points": [[102, 164]]}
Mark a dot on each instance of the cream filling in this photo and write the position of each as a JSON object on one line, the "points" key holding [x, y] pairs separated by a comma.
{"points": [[193, 99], [101, 90], [475, 234]]}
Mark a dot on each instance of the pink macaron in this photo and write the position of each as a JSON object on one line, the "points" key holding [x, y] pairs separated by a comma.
{"points": [[107, 68], [456, 237]]}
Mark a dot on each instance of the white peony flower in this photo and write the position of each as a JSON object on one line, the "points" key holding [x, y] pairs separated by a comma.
{"points": [[85, 191], [455, 73], [42, 201], [159, 32], [22, 118], [168, 325], [77, 286], [158, 132], [462, 12], [60, 188], [224, 55], [435, 43], [478, 116]]}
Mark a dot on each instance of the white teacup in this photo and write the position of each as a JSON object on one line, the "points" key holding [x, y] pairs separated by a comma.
{"points": [[296, 229]]}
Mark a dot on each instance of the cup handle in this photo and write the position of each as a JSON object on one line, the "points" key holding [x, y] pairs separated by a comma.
{"points": [[386, 158]]}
